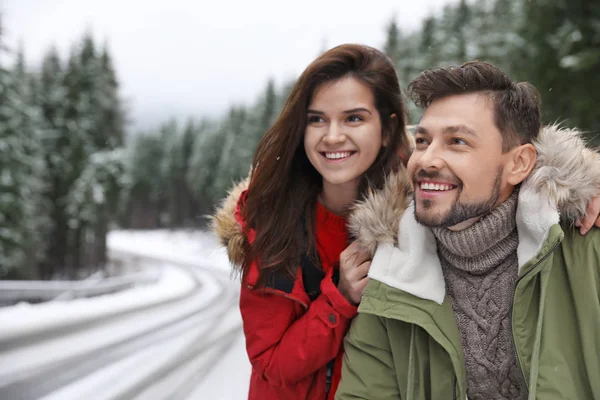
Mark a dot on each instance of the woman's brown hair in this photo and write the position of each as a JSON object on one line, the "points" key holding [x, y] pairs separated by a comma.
{"points": [[282, 194]]}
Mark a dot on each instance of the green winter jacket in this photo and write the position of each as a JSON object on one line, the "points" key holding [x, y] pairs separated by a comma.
{"points": [[405, 343]]}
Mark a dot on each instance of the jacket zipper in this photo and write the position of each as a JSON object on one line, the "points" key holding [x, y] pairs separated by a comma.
{"points": [[328, 376], [454, 388], [514, 344]]}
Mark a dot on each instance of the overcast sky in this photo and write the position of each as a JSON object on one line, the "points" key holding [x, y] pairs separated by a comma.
{"points": [[186, 57]]}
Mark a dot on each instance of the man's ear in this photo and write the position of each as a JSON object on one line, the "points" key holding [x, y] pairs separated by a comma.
{"points": [[386, 135], [521, 162]]}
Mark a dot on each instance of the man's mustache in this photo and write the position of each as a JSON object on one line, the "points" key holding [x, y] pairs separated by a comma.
{"points": [[434, 176]]}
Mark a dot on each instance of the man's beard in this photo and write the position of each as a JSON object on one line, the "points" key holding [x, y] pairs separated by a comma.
{"points": [[459, 212]]}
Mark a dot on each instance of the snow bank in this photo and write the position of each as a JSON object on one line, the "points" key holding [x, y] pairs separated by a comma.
{"points": [[191, 247], [30, 319]]}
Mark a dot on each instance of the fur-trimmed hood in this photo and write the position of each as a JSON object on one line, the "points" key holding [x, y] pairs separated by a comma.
{"points": [[226, 226], [566, 173]]}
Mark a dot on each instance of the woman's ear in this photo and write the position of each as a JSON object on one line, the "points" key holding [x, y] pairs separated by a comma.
{"points": [[385, 140]]}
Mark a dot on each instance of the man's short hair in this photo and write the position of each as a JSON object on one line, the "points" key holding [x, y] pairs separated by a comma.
{"points": [[517, 105]]}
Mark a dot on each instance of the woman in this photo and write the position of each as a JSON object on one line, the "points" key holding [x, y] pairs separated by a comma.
{"points": [[340, 133]]}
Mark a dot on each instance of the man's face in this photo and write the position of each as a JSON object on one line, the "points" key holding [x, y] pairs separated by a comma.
{"points": [[457, 168]]}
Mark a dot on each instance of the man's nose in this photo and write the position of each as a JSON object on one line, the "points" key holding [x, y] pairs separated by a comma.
{"points": [[431, 158]]}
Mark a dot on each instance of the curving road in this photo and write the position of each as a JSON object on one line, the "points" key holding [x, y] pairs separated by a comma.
{"points": [[160, 353]]}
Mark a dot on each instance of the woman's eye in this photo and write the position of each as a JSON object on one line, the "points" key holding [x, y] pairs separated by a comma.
{"points": [[355, 118], [314, 119]]}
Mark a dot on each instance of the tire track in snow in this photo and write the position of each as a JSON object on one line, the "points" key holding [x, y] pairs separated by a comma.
{"points": [[38, 383]]}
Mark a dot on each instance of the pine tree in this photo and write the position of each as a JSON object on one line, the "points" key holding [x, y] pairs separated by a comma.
{"points": [[392, 42], [146, 181], [562, 60], [51, 100], [204, 163], [428, 43], [79, 115], [96, 120], [495, 34], [229, 168], [268, 113], [20, 172], [93, 198], [187, 202], [84, 121], [249, 130], [463, 19], [404, 51], [447, 39], [283, 95], [174, 169], [112, 118]]}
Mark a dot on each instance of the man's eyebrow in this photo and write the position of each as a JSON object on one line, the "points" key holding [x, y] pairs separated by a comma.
{"points": [[459, 128], [421, 129], [449, 130]]}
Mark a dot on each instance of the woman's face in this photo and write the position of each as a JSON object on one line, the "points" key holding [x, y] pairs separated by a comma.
{"points": [[343, 133]]}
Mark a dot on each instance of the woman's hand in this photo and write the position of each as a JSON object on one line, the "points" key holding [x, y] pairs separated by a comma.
{"points": [[354, 267], [592, 217]]}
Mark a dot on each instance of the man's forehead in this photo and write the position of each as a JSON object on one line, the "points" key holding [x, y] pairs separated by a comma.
{"points": [[469, 113], [465, 104]]}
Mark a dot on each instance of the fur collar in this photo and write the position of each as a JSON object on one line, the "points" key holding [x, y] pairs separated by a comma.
{"points": [[566, 178], [380, 210], [226, 226]]}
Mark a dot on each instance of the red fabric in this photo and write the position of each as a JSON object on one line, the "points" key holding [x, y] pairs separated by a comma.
{"points": [[289, 339]]}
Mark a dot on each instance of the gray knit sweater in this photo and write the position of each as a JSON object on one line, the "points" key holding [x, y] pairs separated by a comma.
{"points": [[480, 268]]}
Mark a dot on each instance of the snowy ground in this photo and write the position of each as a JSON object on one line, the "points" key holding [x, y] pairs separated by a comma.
{"points": [[27, 319], [230, 376], [193, 342], [184, 246]]}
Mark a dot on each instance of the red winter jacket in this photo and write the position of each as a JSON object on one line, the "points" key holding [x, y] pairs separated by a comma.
{"points": [[293, 343]]}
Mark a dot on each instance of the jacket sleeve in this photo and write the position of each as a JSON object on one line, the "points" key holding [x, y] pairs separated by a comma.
{"points": [[285, 348], [368, 369]]}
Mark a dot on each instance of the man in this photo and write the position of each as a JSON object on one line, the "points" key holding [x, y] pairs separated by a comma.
{"points": [[484, 292]]}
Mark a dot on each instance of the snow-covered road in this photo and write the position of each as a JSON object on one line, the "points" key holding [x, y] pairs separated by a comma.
{"points": [[190, 346]]}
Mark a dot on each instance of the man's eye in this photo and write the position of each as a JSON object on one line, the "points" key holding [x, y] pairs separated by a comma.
{"points": [[458, 141]]}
